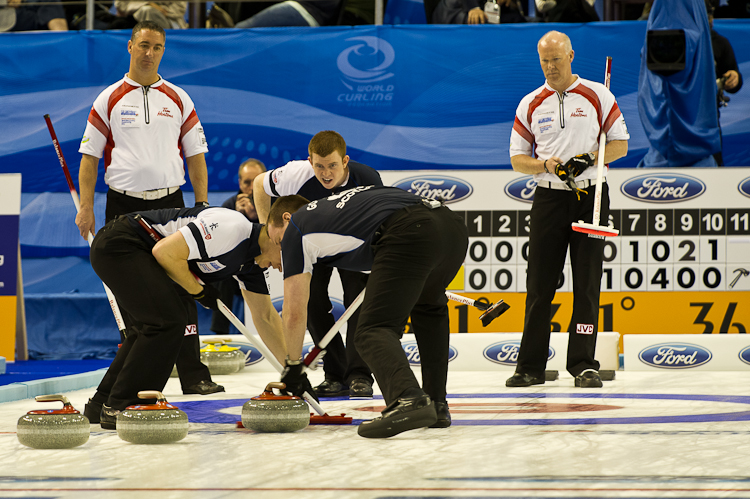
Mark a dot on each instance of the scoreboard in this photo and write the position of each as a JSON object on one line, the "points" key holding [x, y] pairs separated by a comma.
{"points": [[680, 265]]}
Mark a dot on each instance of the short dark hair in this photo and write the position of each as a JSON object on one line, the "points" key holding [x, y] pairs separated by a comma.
{"points": [[150, 26], [284, 204], [325, 142]]}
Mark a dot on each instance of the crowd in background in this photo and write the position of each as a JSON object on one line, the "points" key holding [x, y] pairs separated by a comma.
{"points": [[30, 15]]}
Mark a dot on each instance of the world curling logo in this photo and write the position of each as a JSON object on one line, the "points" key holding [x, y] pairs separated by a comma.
{"points": [[365, 69], [675, 356], [506, 352], [412, 353]]}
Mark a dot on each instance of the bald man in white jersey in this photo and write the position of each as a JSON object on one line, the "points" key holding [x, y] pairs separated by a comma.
{"points": [[555, 137]]}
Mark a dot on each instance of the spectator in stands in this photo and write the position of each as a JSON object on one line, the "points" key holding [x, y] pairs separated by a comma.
{"points": [[242, 202], [472, 12], [728, 74], [168, 15], [295, 13], [16, 16], [566, 11]]}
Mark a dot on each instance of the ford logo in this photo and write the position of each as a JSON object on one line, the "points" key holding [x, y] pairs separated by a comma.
{"points": [[252, 354], [412, 352], [675, 356], [307, 348], [522, 189], [448, 189], [744, 187], [506, 352], [745, 355], [663, 188]]}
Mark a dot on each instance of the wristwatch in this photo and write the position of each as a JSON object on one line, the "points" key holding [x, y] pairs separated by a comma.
{"points": [[202, 203]]}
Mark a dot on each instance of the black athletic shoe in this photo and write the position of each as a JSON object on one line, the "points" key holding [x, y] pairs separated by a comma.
{"points": [[329, 388], [523, 379], [443, 415], [589, 379], [402, 415], [203, 388], [92, 410], [108, 417], [360, 388]]}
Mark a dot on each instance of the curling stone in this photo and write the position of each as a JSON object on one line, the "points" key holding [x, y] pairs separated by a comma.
{"points": [[271, 413], [221, 358], [159, 423], [54, 428]]}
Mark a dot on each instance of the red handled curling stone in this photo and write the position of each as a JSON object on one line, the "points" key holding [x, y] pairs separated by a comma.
{"points": [[271, 413], [54, 428], [159, 423], [221, 358]]}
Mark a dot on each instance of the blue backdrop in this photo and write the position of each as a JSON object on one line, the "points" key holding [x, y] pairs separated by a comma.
{"points": [[404, 97]]}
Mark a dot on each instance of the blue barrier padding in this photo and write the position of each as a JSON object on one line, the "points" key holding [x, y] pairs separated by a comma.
{"points": [[404, 97]]}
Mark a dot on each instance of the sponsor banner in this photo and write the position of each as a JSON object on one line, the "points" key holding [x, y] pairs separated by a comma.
{"points": [[468, 352], [10, 209], [653, 352], [629, 313]]}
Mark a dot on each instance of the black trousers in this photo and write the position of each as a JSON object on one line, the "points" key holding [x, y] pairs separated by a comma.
{"points": [[142, 288], [552, 214], [189, 366], [341, 363], [417, 255]]}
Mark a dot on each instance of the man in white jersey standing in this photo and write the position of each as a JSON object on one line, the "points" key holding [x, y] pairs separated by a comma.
{"points": [[555, 137], [142, 126]]}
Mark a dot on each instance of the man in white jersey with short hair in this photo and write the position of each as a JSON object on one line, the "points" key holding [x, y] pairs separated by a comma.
{"points": [[555, 137], [143, 126]]}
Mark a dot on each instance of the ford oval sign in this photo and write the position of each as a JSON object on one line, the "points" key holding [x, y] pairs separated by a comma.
{"points": [[675, 356], [252, 355], [412, 352], [448, 189], [745, 355], [663, 188], [522, 189], [744, 187], [506, 352]]}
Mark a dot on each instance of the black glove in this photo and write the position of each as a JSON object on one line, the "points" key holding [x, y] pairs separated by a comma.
{"points": [[574, 166], [296, 380], [202, 203], [208, 296]]}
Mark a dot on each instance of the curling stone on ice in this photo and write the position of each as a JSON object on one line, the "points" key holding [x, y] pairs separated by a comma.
{"points": [[221, 358], [53, 428], [159, 423], [271, 413]]}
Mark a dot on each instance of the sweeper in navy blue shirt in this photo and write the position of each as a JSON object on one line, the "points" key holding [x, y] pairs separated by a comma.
{"points": [[328, 170], [208, 243], [413, 247]]}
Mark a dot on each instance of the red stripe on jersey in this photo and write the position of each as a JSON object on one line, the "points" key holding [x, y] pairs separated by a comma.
{"points": [[590, 96], [163, 88], [191, 121], [614, 113], [536, 102], [98, 122], [523, 131], [108, 151], [118, 94]]}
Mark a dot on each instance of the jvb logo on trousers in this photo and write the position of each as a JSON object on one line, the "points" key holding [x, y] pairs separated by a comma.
{"points": [[675, 356]]}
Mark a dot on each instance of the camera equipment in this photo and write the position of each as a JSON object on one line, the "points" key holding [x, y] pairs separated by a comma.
{"points": [[665, 51]]}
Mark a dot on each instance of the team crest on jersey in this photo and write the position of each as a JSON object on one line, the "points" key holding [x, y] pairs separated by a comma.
{"points": [[276, 175], [209, 267]]}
